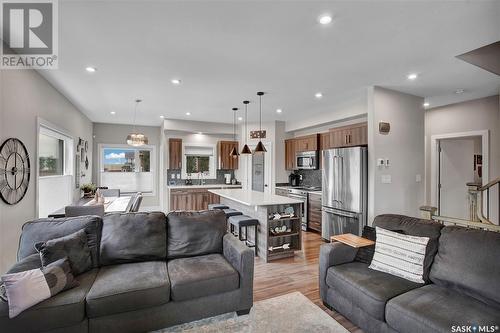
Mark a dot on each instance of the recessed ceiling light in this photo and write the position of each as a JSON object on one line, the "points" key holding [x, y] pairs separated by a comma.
{"points": [[162, 117], [459, 91], [426, 105], [175, 81], [325, 19], [412, 76], [90, 69], [113, 112], [188, 113], [200, 133], [240, 118], [279, 110], [318, 95]]}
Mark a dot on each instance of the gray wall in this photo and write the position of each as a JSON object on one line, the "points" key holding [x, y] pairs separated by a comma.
{"points": [[117, 134], [474, 115], [403, 146], [25, 95]]}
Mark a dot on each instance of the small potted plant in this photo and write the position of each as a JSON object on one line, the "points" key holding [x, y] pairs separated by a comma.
{"points": [[88, 190]]}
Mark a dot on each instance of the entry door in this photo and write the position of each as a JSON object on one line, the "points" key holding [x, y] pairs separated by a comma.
{"points": [[456, 169], [258, 180]]}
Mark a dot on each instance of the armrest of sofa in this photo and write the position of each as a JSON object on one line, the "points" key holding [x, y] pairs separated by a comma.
{"points": [[332, 254], [242, 259]]}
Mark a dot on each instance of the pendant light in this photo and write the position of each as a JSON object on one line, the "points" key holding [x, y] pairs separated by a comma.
{"points": [[234, 152], [260, 146], [136, 139], [245, 149]]}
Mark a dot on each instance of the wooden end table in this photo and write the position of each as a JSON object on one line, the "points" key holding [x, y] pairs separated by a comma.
{"points": [[352, 240]]}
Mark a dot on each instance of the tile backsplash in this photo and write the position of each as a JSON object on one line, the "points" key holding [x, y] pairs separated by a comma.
{"points": [[310, 177], [219, 180]]}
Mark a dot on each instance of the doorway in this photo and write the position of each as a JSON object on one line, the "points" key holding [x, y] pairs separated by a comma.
{"points": [[460, 163], [258, 167], [258, 170]]}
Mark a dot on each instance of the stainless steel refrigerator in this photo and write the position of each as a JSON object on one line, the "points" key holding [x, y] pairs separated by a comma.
{"points": [[344, 200]]}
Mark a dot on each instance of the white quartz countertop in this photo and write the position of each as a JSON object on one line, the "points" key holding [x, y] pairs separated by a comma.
{"points": [[254, 198], [203, 186]]}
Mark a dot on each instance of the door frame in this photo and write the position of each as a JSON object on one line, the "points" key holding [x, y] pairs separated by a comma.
{"points": [[485, 148]]}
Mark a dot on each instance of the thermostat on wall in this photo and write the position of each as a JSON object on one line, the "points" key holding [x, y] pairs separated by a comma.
{"points": [[384, 127]]}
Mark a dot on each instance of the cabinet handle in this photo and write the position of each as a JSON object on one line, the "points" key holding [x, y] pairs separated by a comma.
{"points": [[350, 137]]}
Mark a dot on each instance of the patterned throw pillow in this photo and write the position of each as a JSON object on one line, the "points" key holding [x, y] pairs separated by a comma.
{"points": [[73, 246], [400, 255], [25, 289]]}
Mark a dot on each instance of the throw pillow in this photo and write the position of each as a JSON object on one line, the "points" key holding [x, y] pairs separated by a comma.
{"points": [[25, 289], [365, 254], [400, 255], [73, 246]]}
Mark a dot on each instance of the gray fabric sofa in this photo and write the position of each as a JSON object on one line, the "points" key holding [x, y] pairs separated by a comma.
{"points": [[149, 271], [462, 274]]}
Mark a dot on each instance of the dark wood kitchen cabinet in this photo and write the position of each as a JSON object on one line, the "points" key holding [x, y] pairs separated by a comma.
{"points": [[174, 153], [348, 136], [290, 154], [314, 211], [226, 161], [192, 199], [306, 143]]}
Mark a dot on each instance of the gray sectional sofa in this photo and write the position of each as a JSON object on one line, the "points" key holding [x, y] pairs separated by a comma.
{"points": [[462, 270], [149, 271]]}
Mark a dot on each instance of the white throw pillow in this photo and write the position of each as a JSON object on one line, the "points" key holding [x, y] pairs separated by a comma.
{"points": [[400, 255], [25, 289]]}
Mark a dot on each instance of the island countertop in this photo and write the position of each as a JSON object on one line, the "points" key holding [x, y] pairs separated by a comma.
{"points": [[254, 198]]}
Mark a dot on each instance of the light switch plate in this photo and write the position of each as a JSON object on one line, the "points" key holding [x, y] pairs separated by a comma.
{"points": [[418, 178], [380, 162], [178, 176], [172, 176], [386, 179], [387, 163]]}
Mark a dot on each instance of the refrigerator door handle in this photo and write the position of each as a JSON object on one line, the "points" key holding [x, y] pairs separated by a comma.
{"points": [[340, 213]]}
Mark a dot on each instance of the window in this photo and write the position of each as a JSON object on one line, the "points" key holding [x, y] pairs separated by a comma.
{"points": [[198, 159], [50, 156], [127, 168]]}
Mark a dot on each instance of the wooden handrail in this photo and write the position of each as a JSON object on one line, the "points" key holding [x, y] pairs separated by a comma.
{"points": [[490, 184], [467, 223]]}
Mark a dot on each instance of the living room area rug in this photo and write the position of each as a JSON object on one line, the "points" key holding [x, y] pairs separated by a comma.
{"points": [[287, 313]]}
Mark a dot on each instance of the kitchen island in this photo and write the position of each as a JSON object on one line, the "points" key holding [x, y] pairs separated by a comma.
{"points": [[279, 233]]}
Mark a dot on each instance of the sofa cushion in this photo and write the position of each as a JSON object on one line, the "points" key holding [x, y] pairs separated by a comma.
{"points": [[414, 227], [369, 289], [133, 237], [470, 251], [195, 233], [62, 310], [42, 230], [127, 287], [201, 276], [436, 309]]}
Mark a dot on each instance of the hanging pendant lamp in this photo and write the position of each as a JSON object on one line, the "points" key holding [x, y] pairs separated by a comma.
{"points": [[136, 139], [260, 146], [245, 149], [234, 152]]}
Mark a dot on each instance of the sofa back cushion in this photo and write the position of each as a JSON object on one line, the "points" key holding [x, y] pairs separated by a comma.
{"points": [[195, 233], [468, 260], [133, 237], [414, 227], [43, 230]]}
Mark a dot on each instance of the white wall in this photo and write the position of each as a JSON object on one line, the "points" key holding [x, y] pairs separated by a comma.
{"points": [[403, 146], [474, 115], [117, 134], [24, 96]]}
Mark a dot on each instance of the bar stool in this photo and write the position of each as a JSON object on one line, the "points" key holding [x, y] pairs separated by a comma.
{"points": [[231, 212], [217, 206], [244, 221]]}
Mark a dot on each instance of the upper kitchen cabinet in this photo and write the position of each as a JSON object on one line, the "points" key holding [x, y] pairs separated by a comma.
{"points": [[290, 154], [307, 143], [226, 161], [347, 136], [175, 153]]}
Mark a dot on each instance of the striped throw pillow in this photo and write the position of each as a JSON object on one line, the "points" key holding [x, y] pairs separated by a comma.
{"points": [[400, 255]]}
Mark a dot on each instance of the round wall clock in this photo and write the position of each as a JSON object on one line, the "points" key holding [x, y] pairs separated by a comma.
{"points": [[14, 171]]}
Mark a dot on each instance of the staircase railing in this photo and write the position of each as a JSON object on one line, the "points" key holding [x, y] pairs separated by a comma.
{"points": [[478, 218]]}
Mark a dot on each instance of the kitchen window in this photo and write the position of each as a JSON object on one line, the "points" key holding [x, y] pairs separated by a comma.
{"points": [[198, 160], [127, 168]]}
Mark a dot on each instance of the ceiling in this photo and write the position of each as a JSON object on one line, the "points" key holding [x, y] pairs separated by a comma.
{"points": [[224, 52]]}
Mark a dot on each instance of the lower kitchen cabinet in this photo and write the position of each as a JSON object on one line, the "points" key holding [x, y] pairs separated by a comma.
{"points": [[192, 198], [314, 212]]}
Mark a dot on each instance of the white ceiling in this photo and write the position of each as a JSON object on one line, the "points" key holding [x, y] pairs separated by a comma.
{"points": [[224, 52]]}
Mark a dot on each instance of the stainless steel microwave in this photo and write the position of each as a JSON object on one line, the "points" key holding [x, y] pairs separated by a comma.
{"points": [[307, 160]]}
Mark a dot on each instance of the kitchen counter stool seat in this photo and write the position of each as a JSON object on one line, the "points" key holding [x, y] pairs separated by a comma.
{"points": [[244, 221], [217, 206], [231, 212]]}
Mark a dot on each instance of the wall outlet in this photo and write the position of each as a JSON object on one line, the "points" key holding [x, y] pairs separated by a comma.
{"points": [[386, 179], [172, 176], [418, 178], [178, 176]]}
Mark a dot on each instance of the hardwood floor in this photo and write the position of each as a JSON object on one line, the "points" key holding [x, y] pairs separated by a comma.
{"points": [[299, 273]]}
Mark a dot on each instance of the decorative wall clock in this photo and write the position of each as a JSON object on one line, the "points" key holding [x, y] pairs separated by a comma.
{"points": [[14, 171]]}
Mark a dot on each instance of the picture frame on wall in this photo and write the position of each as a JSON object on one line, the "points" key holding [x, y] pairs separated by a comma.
{"points": [[77, 171]]}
